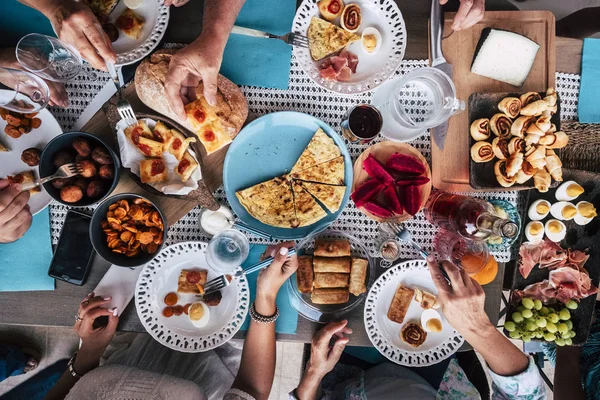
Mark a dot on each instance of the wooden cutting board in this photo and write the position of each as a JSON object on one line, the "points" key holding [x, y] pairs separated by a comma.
{"points": [[450, 167]]}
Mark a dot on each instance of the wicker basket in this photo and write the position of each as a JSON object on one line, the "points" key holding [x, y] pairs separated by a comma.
{"points": [[583, 150]]}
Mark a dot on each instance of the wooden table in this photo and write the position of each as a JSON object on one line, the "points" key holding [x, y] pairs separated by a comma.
{"points": [[58, 308]]}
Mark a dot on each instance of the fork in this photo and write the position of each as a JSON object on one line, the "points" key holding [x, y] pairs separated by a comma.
{"points": [[123, 107], [292, 38], [225, 280], [66, 171]]}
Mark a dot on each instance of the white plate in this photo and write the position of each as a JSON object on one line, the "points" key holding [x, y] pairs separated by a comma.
{"points": [[372, 69], [159, 277], [157, 18], [385, 334], [11, 163]]}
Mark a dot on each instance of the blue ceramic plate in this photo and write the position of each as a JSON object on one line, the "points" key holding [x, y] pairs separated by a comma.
{"points": [[269, 147], [513, 215]]}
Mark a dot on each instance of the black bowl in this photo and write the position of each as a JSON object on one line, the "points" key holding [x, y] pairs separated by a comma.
{"points": [[65, 142], [98, 237]]}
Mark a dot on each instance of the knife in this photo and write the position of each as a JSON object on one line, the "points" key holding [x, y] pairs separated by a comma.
{"points": [[436, 28]]}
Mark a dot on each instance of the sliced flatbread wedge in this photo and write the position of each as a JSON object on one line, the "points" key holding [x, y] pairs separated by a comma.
{"points": [[330, 196], [331, 172], [270, 202], [321, 148], [308, 211], [325, 38]]}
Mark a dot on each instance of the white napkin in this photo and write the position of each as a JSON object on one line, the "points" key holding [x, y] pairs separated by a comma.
{"points": [[119, 283], [131, 157]]}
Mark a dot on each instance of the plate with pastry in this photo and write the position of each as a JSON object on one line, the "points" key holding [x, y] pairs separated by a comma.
{"points": [[135, 27], [404, 320], [22, 140], [170, 301], [514, 140], [353, 46], [287, 174], [334, 274]]}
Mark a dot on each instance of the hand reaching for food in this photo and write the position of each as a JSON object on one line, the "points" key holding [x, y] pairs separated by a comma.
{"points": [[15, 217], [176, 3], [274, 276], [469, 13]]}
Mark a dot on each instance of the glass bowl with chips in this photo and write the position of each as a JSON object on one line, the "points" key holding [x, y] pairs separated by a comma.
{"points": [[342, 273], [128, 230]]}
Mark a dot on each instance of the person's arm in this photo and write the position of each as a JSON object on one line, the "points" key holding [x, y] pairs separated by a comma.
{"points": [[75, 23], [201, 60], [567, 375], [257, 367], [93, 342], [469, 13]]}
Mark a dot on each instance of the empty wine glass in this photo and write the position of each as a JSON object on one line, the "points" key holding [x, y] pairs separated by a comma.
{"points": [[48, 57], [21, 91]]}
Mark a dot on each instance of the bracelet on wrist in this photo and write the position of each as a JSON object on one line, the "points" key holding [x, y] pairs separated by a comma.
{"points": [[72, 371], [263, 319]]}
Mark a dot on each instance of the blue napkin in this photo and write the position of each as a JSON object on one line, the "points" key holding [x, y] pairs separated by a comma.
{"points": [[17, 20], [24, 263], [288, 317], [256, 61], [588, 109]]}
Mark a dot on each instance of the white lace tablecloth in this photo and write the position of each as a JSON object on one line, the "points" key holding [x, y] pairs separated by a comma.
{"points": [[304, 96]]}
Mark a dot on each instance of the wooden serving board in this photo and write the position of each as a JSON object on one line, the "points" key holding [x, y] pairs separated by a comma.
{"points": [[450, 167]]}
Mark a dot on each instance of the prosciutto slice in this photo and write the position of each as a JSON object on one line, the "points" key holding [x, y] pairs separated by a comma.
{"points": [[546, 254], [340, 67]]}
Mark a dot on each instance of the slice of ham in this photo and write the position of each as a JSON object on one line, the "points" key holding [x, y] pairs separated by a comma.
{"points": [[328, 73], [340, 67], [546, 254], [345, 74], [338, 63], [352, 59]]}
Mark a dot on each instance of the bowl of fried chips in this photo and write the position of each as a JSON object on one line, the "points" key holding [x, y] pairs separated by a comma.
{"points": [[128, 230]]}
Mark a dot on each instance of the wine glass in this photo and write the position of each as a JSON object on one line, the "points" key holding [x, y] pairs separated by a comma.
{"points": [[21, 91], [48, 57], [227, 250]]}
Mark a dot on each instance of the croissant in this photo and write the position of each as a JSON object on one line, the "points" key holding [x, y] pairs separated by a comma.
{"points": [[542, 180], [550, 111], [543, 123], [552, 129], [525, 173], [529, 97], [503, 179], [500, 148], [482, 152], [536, 108], [554, 165], [516, 145], [520, 125], [513, 164], [560, 140], [551, 97], [480, 129], [532, 138], [510, 106], [500, 124], [537, 158]]}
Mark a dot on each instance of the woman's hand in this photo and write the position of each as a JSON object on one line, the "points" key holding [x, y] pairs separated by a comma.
{"points": [[176, 3], [15, 216], [469, 13], [274, 276], [94, 340]]}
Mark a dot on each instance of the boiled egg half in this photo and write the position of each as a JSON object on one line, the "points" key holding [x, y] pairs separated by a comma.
{"points": [[431, 320], [538, 210], [534, 231], [371, 40], [199, 314], [555, 230], [568, 191], [586, 212], [563, 210]]}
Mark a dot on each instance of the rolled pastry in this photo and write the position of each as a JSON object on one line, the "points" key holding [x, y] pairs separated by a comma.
{"points": [[304, 274], [426, 299], [516, 145], [332, 248], [330, 9], [552, 129], [329, 264], [500, 124], [500, 148], [525, 173], [542, 180], [543, 123], [550, 111], [513, 164], [480, 129], [536, 108], [537, 158], [482, 152], [331, 280], [556, 140], [510, 106], [520, 125], [358, 276], [554, 165], [351, 18], [551, 97], [529, 97], [330, 296], [400, 303], [501, 176]]}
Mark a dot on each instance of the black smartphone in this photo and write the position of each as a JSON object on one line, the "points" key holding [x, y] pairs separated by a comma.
{"points": [[74, 253]]}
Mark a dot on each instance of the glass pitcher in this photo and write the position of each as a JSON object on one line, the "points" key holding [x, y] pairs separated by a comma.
{"points": [[422, 99]]}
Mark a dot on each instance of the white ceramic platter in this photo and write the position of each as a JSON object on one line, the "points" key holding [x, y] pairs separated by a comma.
{"points": [[11, 163], [385, 334], [159, 278], [372, 69]]}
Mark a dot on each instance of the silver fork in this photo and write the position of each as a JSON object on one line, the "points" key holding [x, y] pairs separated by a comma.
{"points": [[123, 107], [225, 280], [292, 38], [66, 171]]}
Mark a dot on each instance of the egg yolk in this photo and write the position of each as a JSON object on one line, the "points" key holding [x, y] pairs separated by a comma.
{"points": [[574, 190], [554, 227], [196, 312], [569, 211], [542, 207], [434, 325], [370, 42], [587, 210], [536, 229]]}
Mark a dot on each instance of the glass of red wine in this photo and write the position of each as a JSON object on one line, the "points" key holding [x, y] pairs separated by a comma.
{"points": [[362, 124]]}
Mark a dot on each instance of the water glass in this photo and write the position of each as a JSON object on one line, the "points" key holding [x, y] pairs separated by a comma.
{"points": [[227, 250], [21, 91], [48, 57]]}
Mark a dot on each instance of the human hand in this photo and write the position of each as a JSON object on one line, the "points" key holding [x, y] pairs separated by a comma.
{"points": [[271, 279], [15, 216], [75, 23], [176, 3], [324, 355], [462, 299], [469, 13]]}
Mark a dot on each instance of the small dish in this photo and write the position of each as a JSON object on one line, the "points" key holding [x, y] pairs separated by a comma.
{"points": [[514, 216]]}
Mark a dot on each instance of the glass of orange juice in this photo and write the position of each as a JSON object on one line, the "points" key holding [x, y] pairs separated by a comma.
{"points": [[470, 255]]}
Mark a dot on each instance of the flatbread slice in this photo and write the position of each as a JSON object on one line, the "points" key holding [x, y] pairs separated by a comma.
{"points": [[330, 196], [321, 148], [308, 211], [270, 202], [325, 38], [331, 172]]}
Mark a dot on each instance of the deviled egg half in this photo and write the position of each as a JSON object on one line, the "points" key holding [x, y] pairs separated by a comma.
{"points": [[534, 231], [586, 212], [568, 191], [431, 321], [199, 314], [563, 210], [555, 230], [371, 40], [539, 210]]}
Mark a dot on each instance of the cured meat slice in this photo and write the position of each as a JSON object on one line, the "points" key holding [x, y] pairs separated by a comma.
{"points": [[344, 75]]}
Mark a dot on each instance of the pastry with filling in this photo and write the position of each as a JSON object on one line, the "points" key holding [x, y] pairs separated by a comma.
{"points": [[325, 38], [330, 196], [304, 274], [330, 9], [480, 129], [153, 170], [134, 132], [320, 149], [332, 248], [186, 167], [131, 23], [502, 176], [331, 172], [330, 296], [358, 276], [510, 106], [425, 299], [413, 334], [308, 211], [332, 264], [482, 152], [500, 124], [160, 132], [191, 281], [177, 144], [206, 125], [400, 304], [351, 18], [24, 178], [331, 280]]}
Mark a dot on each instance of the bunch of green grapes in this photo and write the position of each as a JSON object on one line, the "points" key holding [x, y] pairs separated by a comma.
{"points": [[533, 320]]}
